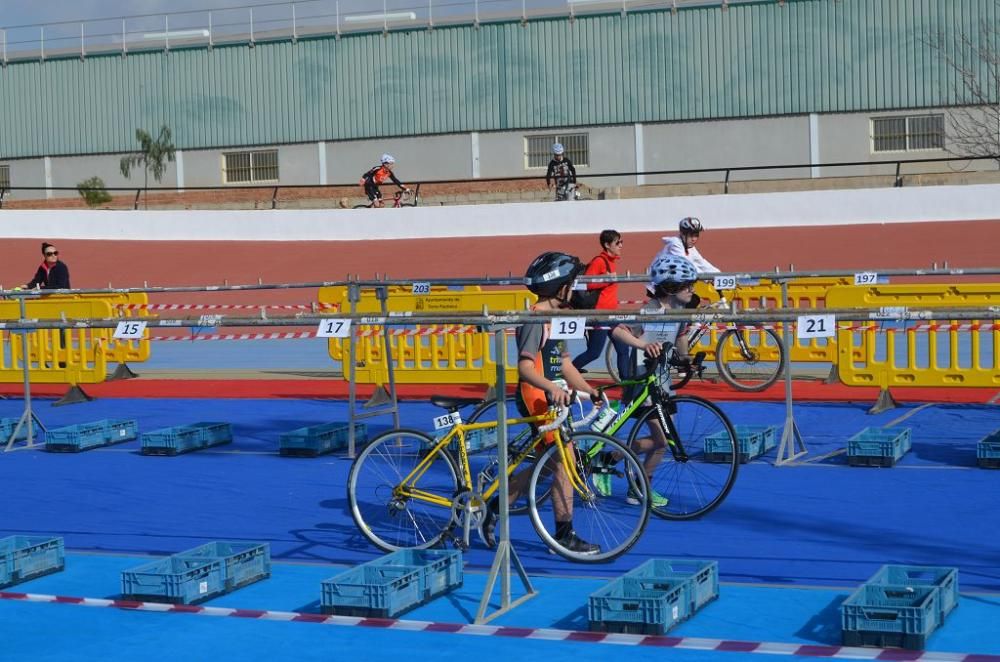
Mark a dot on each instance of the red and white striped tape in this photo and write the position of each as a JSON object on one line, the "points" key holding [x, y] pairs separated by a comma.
{"points": [[228, 306], [240, 336], [546, 634]]}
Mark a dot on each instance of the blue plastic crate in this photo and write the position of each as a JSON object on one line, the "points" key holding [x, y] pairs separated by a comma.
{"points": [[752, 440], [213, 433], [884, 615], [440, 569], [26, 557], [945, 579], [626, 605], [176, 580], [171, 441], [84, 436], [701, 578], [382, 591], [244, 562], [988, 451], [7, 426], [185, 438], [878, 447], [316, 440]]}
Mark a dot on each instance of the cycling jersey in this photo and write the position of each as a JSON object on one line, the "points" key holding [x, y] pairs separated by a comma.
{"points": [[534, 343], [379, 175], [561, 171], [675, 246]]}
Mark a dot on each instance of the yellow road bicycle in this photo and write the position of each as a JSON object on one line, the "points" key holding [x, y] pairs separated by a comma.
{"points": [[408, 489]]}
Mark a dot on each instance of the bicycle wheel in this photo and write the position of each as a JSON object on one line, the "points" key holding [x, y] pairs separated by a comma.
{"points": [[517, 438], [394, 522], [750, 360], [688, 487], [615, 507]]}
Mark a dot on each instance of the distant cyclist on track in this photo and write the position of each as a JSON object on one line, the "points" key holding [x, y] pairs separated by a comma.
{"points": [[379, 175], [562, 173], [683, 245]]}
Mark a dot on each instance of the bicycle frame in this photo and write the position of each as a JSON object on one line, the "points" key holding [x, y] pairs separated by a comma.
{"points": [[403, 489], [661, 400]]}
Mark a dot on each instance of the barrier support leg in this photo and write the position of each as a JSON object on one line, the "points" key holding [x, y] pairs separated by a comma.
{"points": [[28, 416], [379, 397], [122, 372], [74, 396], [885, 402], [505, 556], [834, 375]]}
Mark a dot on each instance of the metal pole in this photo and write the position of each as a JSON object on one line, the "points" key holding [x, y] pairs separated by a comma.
{"points": [[211, 36], [790, 435], [295, 36], [430, 13], [353, 296], [4, 34], [251, 26], [505, 551], [83, 47], [166, 32], [338, 19], [42, 48], [124, 47], [28, 417], [385, 18]]}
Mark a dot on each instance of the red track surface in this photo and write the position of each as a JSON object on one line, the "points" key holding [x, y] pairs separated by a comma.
{"points": [[802, 391]]}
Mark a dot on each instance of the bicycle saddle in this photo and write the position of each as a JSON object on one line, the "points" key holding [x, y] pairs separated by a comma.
{"points": [[453, 404]]}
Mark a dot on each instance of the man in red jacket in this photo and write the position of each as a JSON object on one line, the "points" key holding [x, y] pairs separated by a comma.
{"points": [[604, 263]]}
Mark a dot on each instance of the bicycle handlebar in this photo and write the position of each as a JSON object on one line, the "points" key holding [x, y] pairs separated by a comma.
{"points": [[560, 418], [595, 411]]}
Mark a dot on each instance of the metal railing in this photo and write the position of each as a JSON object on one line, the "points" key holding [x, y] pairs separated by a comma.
{"points": [[724, 172], [292, 20]]}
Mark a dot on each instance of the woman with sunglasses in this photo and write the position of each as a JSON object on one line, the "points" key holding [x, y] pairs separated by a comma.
{"points": [[52, 274]]}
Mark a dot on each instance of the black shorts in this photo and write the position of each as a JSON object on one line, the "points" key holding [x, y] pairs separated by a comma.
{"points": [[373, 191]]}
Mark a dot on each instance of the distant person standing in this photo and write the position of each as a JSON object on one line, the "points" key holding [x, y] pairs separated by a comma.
{"points": [[607, 299], [561, 173], [52, 274]]}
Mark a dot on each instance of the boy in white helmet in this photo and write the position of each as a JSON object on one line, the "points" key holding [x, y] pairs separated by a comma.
{"points": [[690, 229], [561, 172], [378, 175]]}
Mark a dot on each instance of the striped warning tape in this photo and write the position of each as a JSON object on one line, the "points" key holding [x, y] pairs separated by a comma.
{"points": [[239, 336], [228, 306], [546, 634]]}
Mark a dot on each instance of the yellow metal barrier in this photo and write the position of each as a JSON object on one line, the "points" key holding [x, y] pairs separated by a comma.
{"points": [[918, 354], [802, 293], [54, 356], [425, 354]]}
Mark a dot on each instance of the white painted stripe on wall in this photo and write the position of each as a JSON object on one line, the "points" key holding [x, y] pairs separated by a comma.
{"points": [[754, 210], [640, 155], [179, 159], [475, 154], [814, 143], [47, 165], [321, 147]]}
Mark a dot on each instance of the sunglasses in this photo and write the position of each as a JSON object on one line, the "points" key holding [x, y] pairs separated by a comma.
{"points": [[51, 253]]}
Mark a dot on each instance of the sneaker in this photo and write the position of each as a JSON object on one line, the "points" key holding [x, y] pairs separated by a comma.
{"points": [[602, 483], [657, 500], [578, 545]]}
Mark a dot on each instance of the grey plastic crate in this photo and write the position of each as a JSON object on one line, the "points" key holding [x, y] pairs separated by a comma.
{"points": [[316, 440], [374, 591], [878, 447], [175, 580], [945, 579], [628, 605], [751, 440], [988, 451], [26, 557], [7, 426], [700, 578], [886, 615], [244, 562], [186, 438], [440, 569], [84, 436]]}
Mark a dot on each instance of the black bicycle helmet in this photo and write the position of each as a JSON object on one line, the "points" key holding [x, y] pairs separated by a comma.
{"points": [[550, 272]]}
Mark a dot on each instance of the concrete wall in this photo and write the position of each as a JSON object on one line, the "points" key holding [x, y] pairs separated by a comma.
{"points": [[758, 210]]}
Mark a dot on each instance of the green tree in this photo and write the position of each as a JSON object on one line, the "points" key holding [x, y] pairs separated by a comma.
{"points": [[153, 156], [93, 192]]}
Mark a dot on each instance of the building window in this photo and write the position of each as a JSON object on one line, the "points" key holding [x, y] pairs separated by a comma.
{"points": [[907, 134], [4, 176], [246, 167], [539, 149]]}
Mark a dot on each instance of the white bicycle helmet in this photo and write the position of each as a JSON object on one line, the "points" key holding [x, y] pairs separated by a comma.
{"points": [[671, 273], [557, 148], [691, 225], [388, 159]]}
